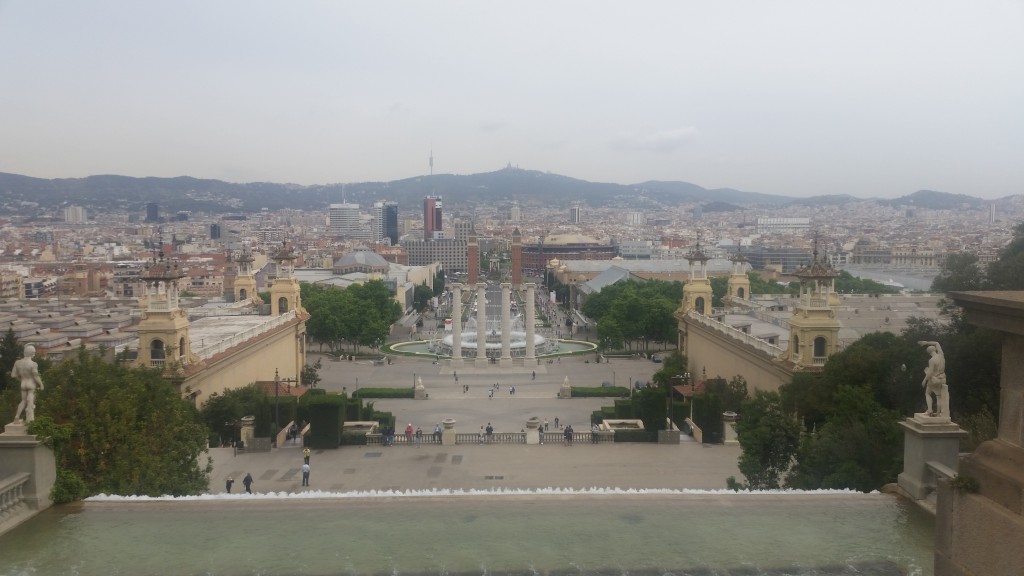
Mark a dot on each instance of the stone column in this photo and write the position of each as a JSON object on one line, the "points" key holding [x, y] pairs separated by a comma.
{"points": [[531, 319], [533, 430], [456, 325], [927, 439], [448, 432], [481, 324], [248, 432], [506, 324]]}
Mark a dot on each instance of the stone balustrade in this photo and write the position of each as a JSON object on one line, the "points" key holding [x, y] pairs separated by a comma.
{"points": [[13, 508]]}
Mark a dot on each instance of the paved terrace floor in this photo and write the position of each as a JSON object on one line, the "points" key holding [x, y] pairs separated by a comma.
{"points": [[473, 466]]}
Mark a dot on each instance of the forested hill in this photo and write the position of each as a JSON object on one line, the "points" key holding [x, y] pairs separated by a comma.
{"points": [[27, 196]]}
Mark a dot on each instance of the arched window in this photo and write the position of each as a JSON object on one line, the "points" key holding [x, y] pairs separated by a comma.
{"points": [[181, 347], [698, 304], [157, 352], [741, 293], [796, 345], [819, 346], [242, 295], [282, 304]]}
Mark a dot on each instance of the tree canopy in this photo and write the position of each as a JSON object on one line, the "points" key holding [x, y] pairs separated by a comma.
{"points": [[964, 271], [360, 315], [635, 313], [129, 431]]}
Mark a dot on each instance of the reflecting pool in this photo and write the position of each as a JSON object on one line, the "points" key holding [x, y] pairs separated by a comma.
{"points": [[518, 533]]}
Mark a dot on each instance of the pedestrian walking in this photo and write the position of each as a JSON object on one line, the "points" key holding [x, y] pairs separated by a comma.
{"points": [[228, 483], [556, 423], [305, 474], [481, 439], [419, 436], [247, 482], [545, 424], [490, 393], [305, 456], [593, 433]]}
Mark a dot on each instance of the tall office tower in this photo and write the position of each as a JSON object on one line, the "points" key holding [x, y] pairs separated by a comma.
{"points": [[463, 229], [991, 213], [432, 218], [385, 222], [214, 231], [343, 219], [74, 215], [574, 215], [636, 219], [515, 213], [152, 212]]}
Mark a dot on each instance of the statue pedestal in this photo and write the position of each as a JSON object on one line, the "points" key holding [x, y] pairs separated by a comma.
{"points": [[927, 439], [448, 432], [23, 453], [533, 430]]}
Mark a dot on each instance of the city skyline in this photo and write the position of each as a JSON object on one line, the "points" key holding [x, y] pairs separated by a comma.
{"points": [[794, 99]]}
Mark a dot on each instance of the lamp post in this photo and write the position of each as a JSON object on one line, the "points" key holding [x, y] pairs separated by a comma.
{"points": [[277, 404]]}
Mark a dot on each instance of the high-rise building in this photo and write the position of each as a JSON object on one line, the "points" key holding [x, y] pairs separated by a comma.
{"points": [[636, 219], [152, 212], [432, 218], [343, 219], [385, 222], [574, 215], [74, 215], [515, 213], [214, 231]]}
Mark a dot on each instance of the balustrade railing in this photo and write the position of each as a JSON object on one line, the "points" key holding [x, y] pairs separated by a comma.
{"points": [[747, 339], [205, 352], [12, 495], [496, 438]]}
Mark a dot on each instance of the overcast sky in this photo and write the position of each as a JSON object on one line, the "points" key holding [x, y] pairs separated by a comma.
{"points": [[797, 98]]}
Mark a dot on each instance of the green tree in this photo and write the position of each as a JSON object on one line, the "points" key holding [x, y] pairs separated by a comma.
{"points": [[959, 272], [860, 447], [310, 375], [1007, 272], [10, 351], [769, 438], [759, 285], [421, 297], [131, 433], [719, 288], [222, 412]]}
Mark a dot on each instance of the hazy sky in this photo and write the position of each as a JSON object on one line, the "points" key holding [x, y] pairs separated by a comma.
{"points": [[799, 98]]}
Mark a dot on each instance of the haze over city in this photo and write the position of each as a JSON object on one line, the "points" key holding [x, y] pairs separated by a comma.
{"points": [[873, 99]]}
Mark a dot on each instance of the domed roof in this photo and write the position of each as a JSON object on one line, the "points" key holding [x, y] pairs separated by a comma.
{"points": [[361, 258]]}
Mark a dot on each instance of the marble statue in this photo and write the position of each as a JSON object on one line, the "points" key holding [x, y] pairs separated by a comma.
{"points": [[27, 371], [934, 382]]}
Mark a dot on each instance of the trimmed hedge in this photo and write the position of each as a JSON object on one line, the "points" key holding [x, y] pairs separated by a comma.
{"points": [[384, 393], [600, 392], [636, 435], [325, 421]]}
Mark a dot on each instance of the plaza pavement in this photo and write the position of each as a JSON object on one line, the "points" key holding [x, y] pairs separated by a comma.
{"points": [[473, 466]]}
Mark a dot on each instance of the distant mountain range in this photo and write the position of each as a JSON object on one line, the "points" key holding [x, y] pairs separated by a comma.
{"points": [[27, 196]]}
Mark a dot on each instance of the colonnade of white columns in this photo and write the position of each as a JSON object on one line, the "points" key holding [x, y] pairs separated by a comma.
{"points": [[481, 324]]}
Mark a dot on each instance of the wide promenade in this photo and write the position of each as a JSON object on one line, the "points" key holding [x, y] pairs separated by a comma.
{"points": [[473, 466]]}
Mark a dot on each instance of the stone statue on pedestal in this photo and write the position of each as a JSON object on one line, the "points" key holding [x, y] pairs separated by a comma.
{"points": [[27, 371], [934, 382]]}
